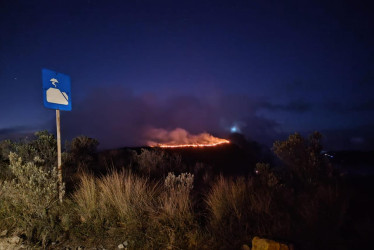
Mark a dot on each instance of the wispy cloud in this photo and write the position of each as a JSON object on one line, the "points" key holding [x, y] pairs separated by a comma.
{"points": [[297, 106]]}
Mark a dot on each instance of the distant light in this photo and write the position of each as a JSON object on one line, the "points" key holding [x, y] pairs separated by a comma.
{"points": [[328, 155], [234, 129]]}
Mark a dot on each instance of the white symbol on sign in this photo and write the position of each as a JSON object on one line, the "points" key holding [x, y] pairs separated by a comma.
{"points": [[54, 95]]}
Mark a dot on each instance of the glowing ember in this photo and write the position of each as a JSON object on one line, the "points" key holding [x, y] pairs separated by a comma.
{"points": [[179, 138]]}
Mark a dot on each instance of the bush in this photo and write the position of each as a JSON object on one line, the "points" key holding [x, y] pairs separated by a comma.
{"points": [[300, 201], [30, 199], [175, 219], [5, 173], [242, 208], [81, 151], [303, 159], [156, 163], [316, 201], [42, 145]]}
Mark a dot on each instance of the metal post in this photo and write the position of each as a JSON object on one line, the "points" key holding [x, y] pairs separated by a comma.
{"points": [[59, 167]]}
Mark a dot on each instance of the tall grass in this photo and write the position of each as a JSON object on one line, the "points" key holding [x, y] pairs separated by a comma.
{"points": [[175, 219], [127, 194], [229, 206], [148, 214], [130, 200], [119, 200], [240, 209], [87, 198]]}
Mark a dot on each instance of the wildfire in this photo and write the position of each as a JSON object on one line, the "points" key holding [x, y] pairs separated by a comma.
{"points": [[193, 145], [179, 138]]}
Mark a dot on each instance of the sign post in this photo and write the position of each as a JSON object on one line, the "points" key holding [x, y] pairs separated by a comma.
{"points": [[59, 165], [57, 95]]}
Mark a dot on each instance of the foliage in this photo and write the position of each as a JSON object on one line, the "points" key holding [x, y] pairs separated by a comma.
{"points": [[42, 145], [138, 208], [303, 158], [300, 201], [175, 219], [242, 208], [155, 163], [266, 176], [5, 173], [316, 199], [82, 150], [30, 199], [5, 149], [120, 200], [80, 156]]}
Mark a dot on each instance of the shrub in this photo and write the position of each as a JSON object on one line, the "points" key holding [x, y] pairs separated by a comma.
{"points": [[303, 159], [175, 221], [80, 156], [177, 190], [5, 173], [156, 163], [30, 200], [241, 208], [81, 151], [317, 204], [42, 145], [266, 177]]}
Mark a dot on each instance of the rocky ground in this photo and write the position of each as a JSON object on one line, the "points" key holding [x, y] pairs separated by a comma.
{"points": [[12, 243], [16, 243]]}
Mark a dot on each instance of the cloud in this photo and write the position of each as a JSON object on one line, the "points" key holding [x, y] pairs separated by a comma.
{"points": [[349, 107], [16, 132], [117, 117], [357, 138], [5, 131], [297, 106]]}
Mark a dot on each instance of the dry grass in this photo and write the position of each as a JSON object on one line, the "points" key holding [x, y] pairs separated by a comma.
{"points": [[226, 198], [175, 220], [238, 210], [119, 201], [126, 193], [87, 198]]}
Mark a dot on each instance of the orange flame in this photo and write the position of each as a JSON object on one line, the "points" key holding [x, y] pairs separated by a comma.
{"points": [[179, 138]]}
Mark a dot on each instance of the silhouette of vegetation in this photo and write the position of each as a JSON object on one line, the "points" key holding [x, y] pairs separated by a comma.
{"points": [[80, 156], [156, 163], [30, 199], [183, 198]]}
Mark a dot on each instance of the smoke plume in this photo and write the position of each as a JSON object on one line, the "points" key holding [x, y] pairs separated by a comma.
{"points": [[180, 137]]}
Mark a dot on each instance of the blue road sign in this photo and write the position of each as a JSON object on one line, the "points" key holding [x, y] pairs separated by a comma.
{"points": [[56, 90]]}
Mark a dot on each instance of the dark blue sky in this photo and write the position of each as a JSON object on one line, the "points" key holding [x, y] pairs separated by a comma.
{"points": [[269, 67]]}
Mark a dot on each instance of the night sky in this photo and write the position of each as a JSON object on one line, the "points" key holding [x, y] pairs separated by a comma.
{"points": [[270, 68]]}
